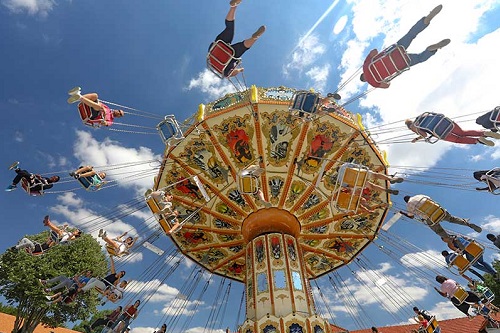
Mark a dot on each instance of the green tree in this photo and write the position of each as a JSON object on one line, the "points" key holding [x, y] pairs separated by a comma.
{"points": [[99, 314], [20, 271]]}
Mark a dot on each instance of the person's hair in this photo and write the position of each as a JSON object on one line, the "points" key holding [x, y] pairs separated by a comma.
{"points": [[120, 307], [408, 123], [374, 329], [102, 175], [362, 79], [77, 233], [122, 273], [415, 308], [138, 302], [90, 271], [477, 174], [440, 278], [406, 198], [491, 237], [54, 179], [445, 253]]}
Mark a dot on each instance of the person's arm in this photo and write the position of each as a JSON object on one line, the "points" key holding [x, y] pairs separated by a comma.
{"points": [[440, 292], [482, 188], [133, 242], [121, 236], [407, 214]]}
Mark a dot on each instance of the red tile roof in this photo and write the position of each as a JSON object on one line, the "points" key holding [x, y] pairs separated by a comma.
{"points": [[7, 324], [457, 325]]}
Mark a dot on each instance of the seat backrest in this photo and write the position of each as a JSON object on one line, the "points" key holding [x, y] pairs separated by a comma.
{"points": [[461, 263], [434, 123], [355, 177], [432, 326], [461, 294], [85, 113], [431, 211], [347, 201], [305, 101], [26, 186], [474, 249], [219, 56], [169, 129], [248, 184], [389, 63]]}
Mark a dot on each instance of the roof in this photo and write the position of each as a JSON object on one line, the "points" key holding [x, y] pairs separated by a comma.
{"points": [[457, 325], [7, 324]]}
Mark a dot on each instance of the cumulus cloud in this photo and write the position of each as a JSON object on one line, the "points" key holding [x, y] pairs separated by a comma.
{"points": [[426, 259], [32, 7], [130, 167], [305, 54], [210, 85], [340, 25], [491, 223], [319, 76]]}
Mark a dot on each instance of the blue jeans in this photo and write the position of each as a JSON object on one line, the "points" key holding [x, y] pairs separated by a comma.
{"points": [[406, 40], [481, 265]]}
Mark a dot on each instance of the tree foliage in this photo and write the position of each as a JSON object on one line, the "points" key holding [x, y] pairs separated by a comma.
{"points": [[20, 271]]}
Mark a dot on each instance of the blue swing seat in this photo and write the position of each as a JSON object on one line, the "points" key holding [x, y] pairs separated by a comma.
{"points": [[90, 183], [435, 124], [305, 101], [495, 117], [169, 130]]}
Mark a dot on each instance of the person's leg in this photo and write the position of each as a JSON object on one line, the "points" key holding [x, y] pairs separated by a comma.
{"points": [[486, 266], [406, 40], [20, 175], [458, 131], [459, 220], [92, 101], [94, 282], [99, 322], [82, 171], [111, 242], [25, 243], [62, 282], [485, 121], [476, 273], [438, 229], [51, 226], [227, 34]]}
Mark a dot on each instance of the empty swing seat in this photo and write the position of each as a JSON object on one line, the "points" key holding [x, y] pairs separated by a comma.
{"points": [[487, 294], [433, 326], [495, 117], [305, 101], [389, 63], [220, 56], [492, 177], [435, 124], [461, 263], [430, 211], [169, 129]]}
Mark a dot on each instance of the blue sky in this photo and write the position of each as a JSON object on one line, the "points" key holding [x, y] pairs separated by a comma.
{"points": [[151, 56]]}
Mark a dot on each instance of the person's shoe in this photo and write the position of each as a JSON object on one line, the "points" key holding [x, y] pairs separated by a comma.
{"points": [[259, 32], [11, 188], [42, 282], [432, 14], [75, 90], [438, 45], [485, 141], [391, 191], [48, 297], [74, 98], [475, 227], [494, 135], [234, 3], [104, 235], [101, 232], [396, 180], [46, 220], [14, 165], [72, 174]]}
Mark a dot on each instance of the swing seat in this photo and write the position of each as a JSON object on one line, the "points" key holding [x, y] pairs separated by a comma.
{"points": [[389, 63], [85, 113], [493, 174], [435, 124], [346, 202], [461, 294], [461, 263], [487, 294], [305, 101], [248, 184], [112, 252], [474, 249], [495, 117], [220, 56], [169, 130], [156, 210], [432, 326], [27, 187], [89, 184], [430, 211], [354, 177]]}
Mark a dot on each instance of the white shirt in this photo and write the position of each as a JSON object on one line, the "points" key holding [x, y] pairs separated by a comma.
{"points": [[415, 202]]}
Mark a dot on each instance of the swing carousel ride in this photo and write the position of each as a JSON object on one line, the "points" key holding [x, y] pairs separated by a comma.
{"points": [[259, 190]]}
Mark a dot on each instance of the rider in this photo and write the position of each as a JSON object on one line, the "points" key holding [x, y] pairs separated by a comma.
{"points": [[37, 182], [100, 112]]}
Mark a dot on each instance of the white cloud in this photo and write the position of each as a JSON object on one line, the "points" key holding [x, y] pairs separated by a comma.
{"points": [[340, 25], [491, 223], [18, 136], [211, 85], [32, 7], [445, 310], [129, 167], [319, 76], [430, 259], [305, 54], [203, 330], [458, 80]]}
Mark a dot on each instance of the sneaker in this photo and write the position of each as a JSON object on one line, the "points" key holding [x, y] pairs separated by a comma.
{"points": [[259, 32], [335, 96], [14, 165], [432, 14], [234, 3], [101, 232], [72, 174], [485, 141], [11, 188], [46, 220], [494, 135], [475, 227], [48, 297], [74, 98], [438, 45], [391, 191], [104, 234], [396, 180], [75, 90]]}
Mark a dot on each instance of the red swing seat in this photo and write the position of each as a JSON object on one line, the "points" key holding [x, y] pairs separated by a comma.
{"points": [[26, 186], [85, 113], [219, 57], [389, 63]]}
